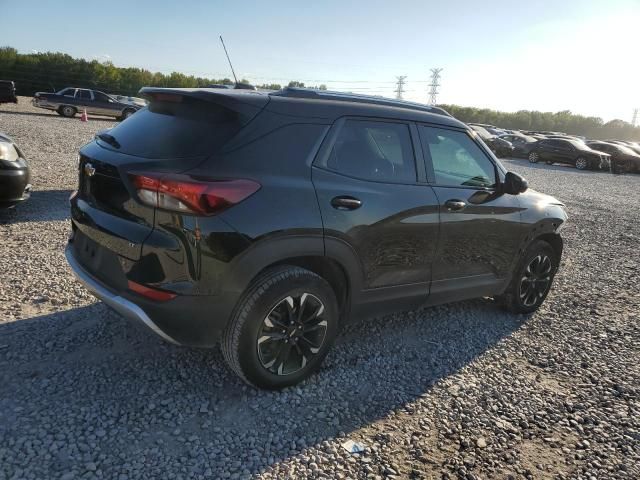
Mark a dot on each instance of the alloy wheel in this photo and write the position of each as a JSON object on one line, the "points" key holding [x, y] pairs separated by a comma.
{"points": [[533, 157], [581, 163], [536, 280], [292, 334]]}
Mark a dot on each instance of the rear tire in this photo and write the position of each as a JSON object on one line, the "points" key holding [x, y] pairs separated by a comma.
{"points": [[282, 328], [534, 157], [67, 111], [532, 279]]}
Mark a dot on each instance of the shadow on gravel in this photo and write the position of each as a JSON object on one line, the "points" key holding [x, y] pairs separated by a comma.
{"points": [[43, 206], [94, 379]]}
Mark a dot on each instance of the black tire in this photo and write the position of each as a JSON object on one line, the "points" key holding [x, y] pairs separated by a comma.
{"points": [[127, 113], [518, 298], [258, 315], [533, 157], [582, 163], [625, 166], [67, 111]]}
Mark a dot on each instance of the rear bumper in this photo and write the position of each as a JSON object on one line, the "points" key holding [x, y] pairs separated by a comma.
{"points": [[189, 320], [121, 305]]}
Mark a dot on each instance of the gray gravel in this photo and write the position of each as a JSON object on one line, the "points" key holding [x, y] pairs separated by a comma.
{"points": [[459, 391]]}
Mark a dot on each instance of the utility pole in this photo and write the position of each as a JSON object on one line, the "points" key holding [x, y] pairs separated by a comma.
{"points": [[400, 86], [435, 83], [634, 121]]}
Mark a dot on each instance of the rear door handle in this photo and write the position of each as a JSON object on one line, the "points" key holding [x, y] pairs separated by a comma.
{"points": [[346, 202], [454, 205]]}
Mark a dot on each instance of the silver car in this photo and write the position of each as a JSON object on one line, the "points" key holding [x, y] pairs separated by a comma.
{"points": [[70, 101]]}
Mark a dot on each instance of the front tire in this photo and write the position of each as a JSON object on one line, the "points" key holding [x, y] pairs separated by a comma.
{"points": [[534, 157], [282, 328], [532, 279], [582, 163]]}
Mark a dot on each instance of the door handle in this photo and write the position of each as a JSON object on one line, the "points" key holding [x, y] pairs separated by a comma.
{"points": [[346, 202], [454, 205]]}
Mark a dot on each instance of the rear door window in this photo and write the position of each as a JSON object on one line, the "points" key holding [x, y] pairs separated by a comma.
{"points": [[175, 129], [101, 97], [562, 145], [374, 150]]}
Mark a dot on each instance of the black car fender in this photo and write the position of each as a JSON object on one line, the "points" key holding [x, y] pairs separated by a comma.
{"points": [[267, 252]]}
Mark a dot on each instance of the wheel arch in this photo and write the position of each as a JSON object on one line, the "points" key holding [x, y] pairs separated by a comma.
{"points": [[308, 252], [330, 270], [555, 240]]}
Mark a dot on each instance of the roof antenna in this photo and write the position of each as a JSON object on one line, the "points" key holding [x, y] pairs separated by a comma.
{"points": [[227, 54]]}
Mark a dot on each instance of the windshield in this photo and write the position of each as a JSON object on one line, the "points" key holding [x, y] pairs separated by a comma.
{"points": [[626, 150], [579, 144]]}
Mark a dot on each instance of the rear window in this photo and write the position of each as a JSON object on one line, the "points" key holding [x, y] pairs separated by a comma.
{"points": [[188, 128]]}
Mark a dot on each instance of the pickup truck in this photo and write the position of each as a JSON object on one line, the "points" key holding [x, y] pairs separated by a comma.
{"points": [[70, 101]]}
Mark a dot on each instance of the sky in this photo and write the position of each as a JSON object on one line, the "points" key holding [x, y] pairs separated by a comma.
{"points": [[578, 55]]}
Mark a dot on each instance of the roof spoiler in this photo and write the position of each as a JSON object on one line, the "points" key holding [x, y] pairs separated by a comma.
{"points": [[245, 102]]}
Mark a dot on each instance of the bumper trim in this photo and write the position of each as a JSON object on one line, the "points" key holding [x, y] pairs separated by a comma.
{"points": [[121, 305]]}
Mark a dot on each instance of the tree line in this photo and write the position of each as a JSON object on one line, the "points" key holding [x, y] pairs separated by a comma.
{"points": [[52, 71], [564, 121]]}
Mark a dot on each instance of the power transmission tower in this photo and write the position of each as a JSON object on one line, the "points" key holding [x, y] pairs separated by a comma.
{"points": [[400, 86], [634, 122], [435, 83]]}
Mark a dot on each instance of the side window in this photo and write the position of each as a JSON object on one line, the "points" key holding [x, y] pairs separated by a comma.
{"points": [[457, 160], [101, 97], [376, 151], [69, 92], [85, 94], [564, 145]]}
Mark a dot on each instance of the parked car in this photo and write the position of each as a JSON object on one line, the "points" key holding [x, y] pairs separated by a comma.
{"points": [[572, 152], [70, 101], [568, 137], [522, 144], [8, 92], [128, 99], [266, 221], [502, 148], [632, 145], [14, 174], [623, 158], [492, 129]]}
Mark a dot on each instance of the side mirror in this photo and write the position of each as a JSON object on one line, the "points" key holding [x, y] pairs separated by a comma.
{"points": [[514, 184]]}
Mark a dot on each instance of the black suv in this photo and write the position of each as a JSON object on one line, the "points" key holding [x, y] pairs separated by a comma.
{"points": [[266, 221]]}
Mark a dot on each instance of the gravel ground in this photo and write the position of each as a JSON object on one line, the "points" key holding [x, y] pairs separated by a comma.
{"points": [[458, 391]]}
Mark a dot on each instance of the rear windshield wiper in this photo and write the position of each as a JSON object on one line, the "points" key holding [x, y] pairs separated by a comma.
{"points": [[110, 139]]}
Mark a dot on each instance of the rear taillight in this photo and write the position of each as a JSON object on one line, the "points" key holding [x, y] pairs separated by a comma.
{"points": [[184, 193]]}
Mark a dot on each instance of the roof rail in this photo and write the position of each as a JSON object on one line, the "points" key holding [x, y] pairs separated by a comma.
{"points": [[296, 92]]}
